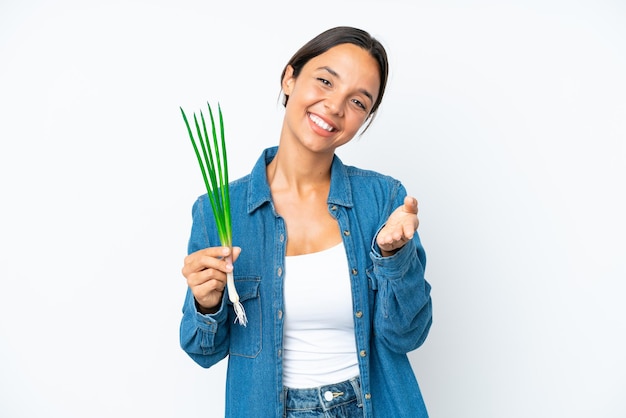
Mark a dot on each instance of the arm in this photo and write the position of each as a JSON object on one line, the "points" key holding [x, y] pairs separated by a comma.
{"points": [[403, 312], [204, 330], [204, 337]]}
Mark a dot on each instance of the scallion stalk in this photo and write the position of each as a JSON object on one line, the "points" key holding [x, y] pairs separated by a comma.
{"points": [[214, 167]]}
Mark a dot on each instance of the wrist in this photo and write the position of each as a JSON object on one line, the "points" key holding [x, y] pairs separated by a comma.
{"points": [[385, 253], [206, 311]]}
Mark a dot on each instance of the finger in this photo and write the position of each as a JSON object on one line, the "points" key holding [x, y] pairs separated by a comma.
{"points": [[205, 276], [212, 285], [206, 258], [215, 252], [409, 229], [410, 204], [390, 238], [206, 293], [236, 252]]}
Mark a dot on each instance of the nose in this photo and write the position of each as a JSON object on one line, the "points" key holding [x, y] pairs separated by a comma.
{"points": [[334, 105]]}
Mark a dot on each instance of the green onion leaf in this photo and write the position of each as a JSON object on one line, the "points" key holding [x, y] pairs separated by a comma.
{"points": [[214, 167]]}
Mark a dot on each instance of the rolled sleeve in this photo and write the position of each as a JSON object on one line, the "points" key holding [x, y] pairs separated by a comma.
{"points": [[204, 336], [403, 308]]}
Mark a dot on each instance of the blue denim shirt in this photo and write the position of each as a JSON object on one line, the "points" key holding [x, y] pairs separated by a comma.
{"points": [[391, 298]]}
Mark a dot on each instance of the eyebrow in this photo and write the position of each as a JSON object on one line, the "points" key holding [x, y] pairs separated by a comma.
{"points": [[334, 73]]}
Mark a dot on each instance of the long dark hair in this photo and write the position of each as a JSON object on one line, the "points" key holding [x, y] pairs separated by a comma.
{"points": [[336, 36]]}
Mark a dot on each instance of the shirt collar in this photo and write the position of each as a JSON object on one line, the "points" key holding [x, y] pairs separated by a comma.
{"points": [[259, 190]]}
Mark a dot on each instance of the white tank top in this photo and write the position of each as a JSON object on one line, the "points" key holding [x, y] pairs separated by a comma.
{"points": [[319, 341]]}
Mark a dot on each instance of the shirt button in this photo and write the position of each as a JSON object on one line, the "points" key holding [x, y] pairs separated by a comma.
{"points": [[359, 314], [362, 353], [355, 272], [280, 314], [282, 237], [280, 353], [328, 395], [280, 271], [368, 396], [346, 233]]}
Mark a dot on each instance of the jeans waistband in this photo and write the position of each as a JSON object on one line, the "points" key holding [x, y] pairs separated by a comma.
{"points": [[324, 397]]}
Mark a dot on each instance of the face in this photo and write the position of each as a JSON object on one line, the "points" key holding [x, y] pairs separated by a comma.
{"points": [[331, 98]]}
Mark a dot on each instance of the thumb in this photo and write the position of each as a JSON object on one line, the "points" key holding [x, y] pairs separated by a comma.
{"points": [[410, 204], [236, 252]]}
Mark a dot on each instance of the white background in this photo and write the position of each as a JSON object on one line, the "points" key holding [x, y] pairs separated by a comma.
{"points": [[507, 119]]}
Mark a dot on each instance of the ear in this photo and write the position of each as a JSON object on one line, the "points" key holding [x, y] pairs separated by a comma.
{"points": [[288, 80]]}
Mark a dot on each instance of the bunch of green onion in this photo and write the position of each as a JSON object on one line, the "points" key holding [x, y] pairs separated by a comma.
{"points": [[214, 166]]}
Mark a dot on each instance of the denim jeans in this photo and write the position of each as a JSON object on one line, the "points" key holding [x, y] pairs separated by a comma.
{"points": [[339, 400]]}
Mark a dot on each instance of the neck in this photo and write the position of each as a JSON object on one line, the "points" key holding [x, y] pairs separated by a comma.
{"points": [[299, 170]]}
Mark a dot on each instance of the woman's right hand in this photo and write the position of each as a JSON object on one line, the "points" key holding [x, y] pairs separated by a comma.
{"points": [[205, 271]]}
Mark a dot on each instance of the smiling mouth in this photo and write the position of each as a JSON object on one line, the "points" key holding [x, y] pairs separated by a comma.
{"points": [[319, 122]]}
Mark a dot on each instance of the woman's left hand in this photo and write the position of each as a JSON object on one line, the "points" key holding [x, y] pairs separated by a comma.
{"points": [[399, 228]]}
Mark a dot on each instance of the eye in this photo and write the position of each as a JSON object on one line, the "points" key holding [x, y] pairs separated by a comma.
{"points": [[324, 81], [359, 104]]}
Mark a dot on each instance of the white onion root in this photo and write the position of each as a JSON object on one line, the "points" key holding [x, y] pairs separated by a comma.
{"points": [[233, 296]]}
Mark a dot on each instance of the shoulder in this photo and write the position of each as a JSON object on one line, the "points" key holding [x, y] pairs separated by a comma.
{"points": [[241, 182], [361, 175], [370, 175], [373, 181], [369, 192]]}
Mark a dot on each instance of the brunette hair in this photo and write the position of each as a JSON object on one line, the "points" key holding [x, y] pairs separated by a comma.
{"points": [[336, 36]]}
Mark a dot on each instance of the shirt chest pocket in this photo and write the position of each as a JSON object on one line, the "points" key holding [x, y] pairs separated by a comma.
{"points": [[245, 341]]}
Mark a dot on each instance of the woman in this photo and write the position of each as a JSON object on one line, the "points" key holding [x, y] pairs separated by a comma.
{"points": [[329, 266]]}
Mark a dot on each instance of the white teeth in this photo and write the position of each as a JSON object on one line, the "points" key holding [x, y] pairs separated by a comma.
{"points": [[319, 122]]}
